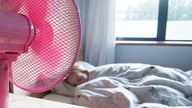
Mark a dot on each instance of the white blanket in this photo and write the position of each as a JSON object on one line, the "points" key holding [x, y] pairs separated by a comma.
{"points": [[135, 86]]}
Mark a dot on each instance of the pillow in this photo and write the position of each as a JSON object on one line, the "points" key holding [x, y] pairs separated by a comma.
{"points": [[65, 89]]}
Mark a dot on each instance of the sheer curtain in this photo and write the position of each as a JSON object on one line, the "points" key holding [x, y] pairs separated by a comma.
{"points": [[98, 31]]}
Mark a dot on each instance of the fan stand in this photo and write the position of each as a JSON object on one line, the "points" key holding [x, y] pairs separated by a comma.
{"points": [[5, 62]]}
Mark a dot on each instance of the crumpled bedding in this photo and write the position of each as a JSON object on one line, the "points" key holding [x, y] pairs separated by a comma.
{"points": [[136, 86]]}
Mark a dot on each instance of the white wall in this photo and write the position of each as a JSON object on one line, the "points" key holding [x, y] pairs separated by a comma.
{"points": [[172, 56]]}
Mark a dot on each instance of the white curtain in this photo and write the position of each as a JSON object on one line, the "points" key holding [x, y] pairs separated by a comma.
{"points": [[98, 26]]}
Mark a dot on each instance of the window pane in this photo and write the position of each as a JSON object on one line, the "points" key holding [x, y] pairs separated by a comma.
{"points": [[136, 18], [179, 22]]}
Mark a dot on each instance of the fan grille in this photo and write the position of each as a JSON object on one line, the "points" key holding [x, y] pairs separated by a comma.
{"points": [[55, 47]]}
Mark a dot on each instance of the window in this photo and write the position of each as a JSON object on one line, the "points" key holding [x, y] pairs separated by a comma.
{"points": [[155, 20], [179, 21]]}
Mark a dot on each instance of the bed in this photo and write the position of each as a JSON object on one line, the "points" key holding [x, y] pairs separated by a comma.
{"points": [[129, 85]]}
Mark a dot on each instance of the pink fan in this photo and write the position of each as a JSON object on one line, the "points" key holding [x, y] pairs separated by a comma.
{"points": [[39, 42]]}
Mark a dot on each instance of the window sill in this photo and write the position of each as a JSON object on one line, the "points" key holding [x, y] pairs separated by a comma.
{"points": [[154, 43]]}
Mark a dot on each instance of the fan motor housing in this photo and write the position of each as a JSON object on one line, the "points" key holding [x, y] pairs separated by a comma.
{"points": [[16, 32]]}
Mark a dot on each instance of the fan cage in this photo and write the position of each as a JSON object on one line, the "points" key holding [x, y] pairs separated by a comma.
{"points": [[54, 50]]}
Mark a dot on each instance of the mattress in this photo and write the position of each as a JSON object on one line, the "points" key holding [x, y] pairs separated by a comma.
{"points": [[59, 98]]}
